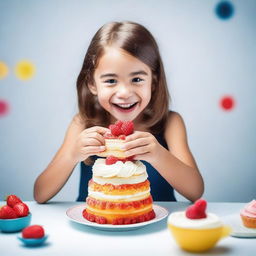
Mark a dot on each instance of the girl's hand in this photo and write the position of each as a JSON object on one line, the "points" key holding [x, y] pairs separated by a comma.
{"points": [[89, 142], [143, 146]]}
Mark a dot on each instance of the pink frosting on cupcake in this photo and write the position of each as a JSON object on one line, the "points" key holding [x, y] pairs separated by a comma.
{"points": [[250, 209]]}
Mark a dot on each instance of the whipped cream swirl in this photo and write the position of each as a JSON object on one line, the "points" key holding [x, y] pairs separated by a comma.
{"points": [[250, 209], [119, 169], [179, 219]]}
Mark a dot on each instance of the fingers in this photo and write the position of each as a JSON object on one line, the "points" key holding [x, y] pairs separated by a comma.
{"points": [[98, 129], [136, 135], [138, 139], [139, 144], [137, 151], [92, 150], [135, 143], [91, 142], [95, 133], [93, 136]]}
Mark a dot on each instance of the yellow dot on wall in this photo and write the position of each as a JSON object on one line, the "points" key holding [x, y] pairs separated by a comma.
{"points": [[3, 70], [25, 70]]}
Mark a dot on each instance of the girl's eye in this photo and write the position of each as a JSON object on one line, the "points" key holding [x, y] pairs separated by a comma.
{"points": [[137, 80], [110, 81]]}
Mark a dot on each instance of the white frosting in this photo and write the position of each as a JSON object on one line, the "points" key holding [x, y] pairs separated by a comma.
{"points": [[119, 181], [119, 169], [116, 197], [179, 219]]}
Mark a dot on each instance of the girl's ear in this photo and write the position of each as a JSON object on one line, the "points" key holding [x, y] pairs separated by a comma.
{"points": [[93, 89]]}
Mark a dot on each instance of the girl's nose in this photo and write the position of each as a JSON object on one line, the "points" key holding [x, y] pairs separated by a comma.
{"points": [[123, 91]]}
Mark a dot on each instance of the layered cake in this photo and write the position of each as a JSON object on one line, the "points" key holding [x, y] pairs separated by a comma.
{"points": [[119, 191]]}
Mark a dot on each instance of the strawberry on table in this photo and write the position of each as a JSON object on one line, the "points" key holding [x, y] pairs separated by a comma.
{"points": [[12, 200], [6, 212]]}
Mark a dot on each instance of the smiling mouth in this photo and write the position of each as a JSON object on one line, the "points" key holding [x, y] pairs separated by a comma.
{"points": [[125, 106]]}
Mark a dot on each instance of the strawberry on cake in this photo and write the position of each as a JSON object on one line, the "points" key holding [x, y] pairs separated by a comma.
{"points": [[115, 139], [119, 191]]}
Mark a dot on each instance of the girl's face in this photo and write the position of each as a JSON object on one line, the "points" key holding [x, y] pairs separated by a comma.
{"points": [[122, 84]]}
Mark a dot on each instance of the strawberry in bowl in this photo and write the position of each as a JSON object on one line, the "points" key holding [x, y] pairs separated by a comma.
{"points": [[15, 215], [33, 235]]}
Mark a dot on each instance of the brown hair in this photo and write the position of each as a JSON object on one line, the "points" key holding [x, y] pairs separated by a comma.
{"points": [[138, 42]]}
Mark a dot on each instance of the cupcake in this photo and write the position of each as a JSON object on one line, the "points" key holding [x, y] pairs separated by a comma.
{"points": [[248, 215]]}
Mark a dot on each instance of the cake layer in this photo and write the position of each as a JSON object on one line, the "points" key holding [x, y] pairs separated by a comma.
{"points": [[123, 205], [124, 189], [133, 197], [118, 154], [113, 148], [117, 219], [119, 212]]}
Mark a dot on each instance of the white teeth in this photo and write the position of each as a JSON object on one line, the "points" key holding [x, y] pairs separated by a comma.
{"points": [[125, 105]]}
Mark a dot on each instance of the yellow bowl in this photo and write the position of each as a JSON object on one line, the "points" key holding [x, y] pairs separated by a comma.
{"points": [[198, 240]]}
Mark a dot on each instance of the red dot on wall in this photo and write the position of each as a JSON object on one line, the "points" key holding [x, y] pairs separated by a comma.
{"points": [[4, 108], [227, 103]]}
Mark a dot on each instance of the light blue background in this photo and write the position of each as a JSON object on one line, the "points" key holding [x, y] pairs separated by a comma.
{"points": [[205, 58]]}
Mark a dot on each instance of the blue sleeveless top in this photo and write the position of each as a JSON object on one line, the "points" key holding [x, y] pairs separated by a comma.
{"points": [[161, 190]]}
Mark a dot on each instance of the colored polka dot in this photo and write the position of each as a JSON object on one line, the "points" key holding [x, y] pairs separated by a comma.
{"points": [[224, 10], [4, 108], [25, 70], [227, 103], [3, 70]]}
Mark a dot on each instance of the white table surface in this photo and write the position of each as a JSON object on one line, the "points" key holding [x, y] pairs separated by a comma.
{"points": [[69, 238]]}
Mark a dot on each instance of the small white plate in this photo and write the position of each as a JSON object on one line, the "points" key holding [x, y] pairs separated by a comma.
{"points": [[238, 229], [75, 214]]}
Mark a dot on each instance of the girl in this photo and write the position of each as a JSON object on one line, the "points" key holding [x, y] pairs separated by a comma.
{"points": [[122, 78]]}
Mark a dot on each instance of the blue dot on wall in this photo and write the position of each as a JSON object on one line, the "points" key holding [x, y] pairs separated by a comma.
{"points": [[224, 10]]}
